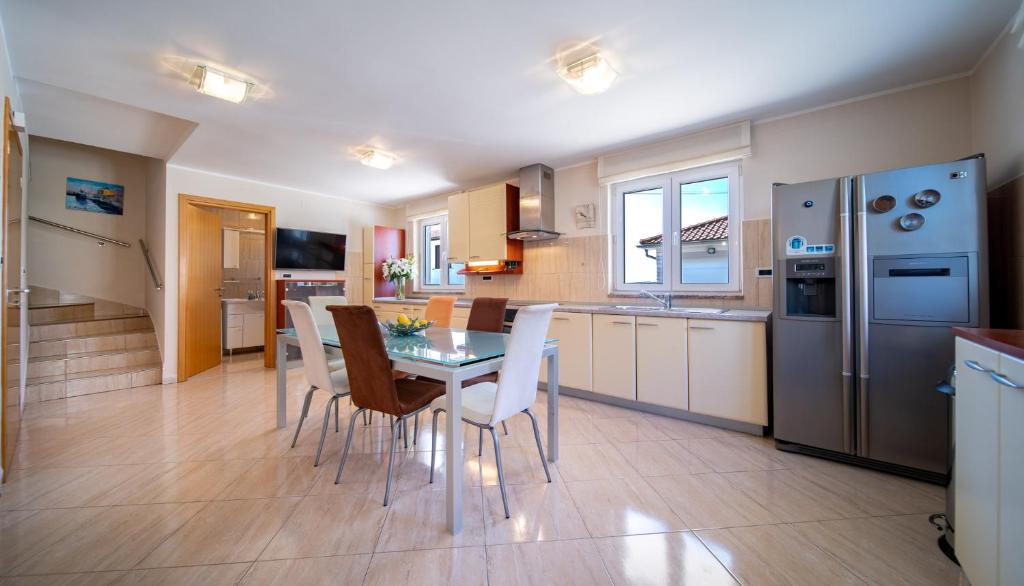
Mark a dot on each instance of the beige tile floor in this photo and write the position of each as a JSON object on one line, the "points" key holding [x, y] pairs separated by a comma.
{"points": [[192, 484]]}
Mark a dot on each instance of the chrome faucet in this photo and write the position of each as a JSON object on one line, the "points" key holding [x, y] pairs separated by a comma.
{"points": [[665, 302]]}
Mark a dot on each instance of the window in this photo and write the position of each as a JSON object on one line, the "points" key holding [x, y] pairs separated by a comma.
{"points": [[435, 271], [699, 208]]}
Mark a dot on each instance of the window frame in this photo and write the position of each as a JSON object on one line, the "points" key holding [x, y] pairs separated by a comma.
{"points": [[419, 249], [671, 227]]}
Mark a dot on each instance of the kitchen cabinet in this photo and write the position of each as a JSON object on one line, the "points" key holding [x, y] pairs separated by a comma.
{"points": [[728, 370], [478, 222], [661, 361], [614, 355], [989, 469], [574, 333], [460, 318], [242, 325], [379, 243]]}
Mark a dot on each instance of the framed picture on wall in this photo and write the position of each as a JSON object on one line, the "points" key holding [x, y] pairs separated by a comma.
{"points": [[94, 196]]}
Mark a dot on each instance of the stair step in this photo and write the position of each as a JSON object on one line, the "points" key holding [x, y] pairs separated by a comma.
{"points": [[89, 328], [127, 340], [83, 363], [53, 305], [49, 388]]}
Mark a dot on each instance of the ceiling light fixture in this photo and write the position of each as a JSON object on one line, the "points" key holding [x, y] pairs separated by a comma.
{"points": [[377, 159], [220, 85], [589, 75]]}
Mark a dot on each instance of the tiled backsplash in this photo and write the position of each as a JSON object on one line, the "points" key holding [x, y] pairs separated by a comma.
{"points": [[576, 269]]}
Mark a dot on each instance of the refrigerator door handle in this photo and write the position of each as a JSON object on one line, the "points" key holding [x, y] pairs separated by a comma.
{"points": [[863, 302], [846, 310]]}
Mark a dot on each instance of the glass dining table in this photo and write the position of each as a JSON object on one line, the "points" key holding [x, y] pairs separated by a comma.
{"points": [[444, 354]]}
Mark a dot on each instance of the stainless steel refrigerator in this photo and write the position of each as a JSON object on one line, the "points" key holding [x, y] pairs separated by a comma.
{"points": [[871, 271]]}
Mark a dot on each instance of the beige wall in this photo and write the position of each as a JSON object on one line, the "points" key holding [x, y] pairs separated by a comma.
{"points": [[294, 209], [997, 109], [62, 260], [156, 217]]}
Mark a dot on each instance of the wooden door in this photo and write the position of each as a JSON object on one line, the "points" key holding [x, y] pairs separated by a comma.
{"points": [[1011, 472], [661, 376], [11, 321], [615, 355], [200, 253]]}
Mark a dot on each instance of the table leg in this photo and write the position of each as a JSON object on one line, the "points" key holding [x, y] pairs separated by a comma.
{"points": [[453, 453], [282, 382], [553, 406]]}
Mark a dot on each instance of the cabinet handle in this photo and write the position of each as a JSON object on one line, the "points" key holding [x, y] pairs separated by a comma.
{"points": [[973, 365], [640, 323], [623, 323], [701, 328], [1003, 380], [560, 318]]}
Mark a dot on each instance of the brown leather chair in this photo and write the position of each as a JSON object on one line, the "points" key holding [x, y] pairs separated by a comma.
{"points": [[371, 381], [487, 314]]}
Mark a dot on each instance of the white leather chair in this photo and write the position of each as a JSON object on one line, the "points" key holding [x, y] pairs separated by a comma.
{"points": [[486, 404], [319, 375], [318, 304]]}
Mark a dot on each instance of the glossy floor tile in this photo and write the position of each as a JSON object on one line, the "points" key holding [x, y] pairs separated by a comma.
{"points": [[192, 483]]}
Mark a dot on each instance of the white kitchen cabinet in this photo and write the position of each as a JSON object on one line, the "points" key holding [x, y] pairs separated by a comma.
{"points": [[976, 480], [243, 322], [252, 330], [458, 227], [487, 209], [574, 332], [728, 369], [460, 318], [614, 355], [661, 361], [1011, 472]]}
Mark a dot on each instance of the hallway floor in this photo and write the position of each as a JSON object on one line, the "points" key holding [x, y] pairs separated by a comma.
{"points": [[192, 483]]}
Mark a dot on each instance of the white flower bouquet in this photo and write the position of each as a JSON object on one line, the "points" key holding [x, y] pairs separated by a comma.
{"points": [[398, 271]]}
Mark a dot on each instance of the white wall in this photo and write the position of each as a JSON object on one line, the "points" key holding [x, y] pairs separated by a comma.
{"points": [[997, 109], [62, 260], [156, 229], [294, 209]]}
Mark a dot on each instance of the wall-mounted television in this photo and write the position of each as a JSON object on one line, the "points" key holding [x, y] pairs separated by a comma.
{"points": [[305, 249]]}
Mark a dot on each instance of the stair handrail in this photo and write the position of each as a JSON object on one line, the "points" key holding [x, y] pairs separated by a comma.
{"points": [[101, 240], [149, 263]]}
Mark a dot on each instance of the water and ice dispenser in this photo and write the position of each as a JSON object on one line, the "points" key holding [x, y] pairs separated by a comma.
{"points": [[811, 287]]}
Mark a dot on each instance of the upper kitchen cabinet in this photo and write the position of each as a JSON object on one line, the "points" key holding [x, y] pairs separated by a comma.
{"points": [[478, 224]]}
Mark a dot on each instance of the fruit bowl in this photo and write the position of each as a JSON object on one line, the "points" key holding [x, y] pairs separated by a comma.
{"points": [[404, 326]]}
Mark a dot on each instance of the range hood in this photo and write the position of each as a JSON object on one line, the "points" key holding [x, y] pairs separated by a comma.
{"points": [[536, 204]]}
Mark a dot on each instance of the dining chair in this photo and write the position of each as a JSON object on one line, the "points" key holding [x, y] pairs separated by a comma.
{"points": [[322, 317], [439, 310], [374, 388], [318, 374], [486, 404]]}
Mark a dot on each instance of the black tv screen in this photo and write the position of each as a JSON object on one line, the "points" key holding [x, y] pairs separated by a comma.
{"points": [[305, 249]]}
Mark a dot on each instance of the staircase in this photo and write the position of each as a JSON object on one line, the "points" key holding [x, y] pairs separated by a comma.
{"points": [[80, 346]]}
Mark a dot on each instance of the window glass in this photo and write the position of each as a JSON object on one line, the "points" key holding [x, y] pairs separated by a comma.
{"points": [[642, 237], [704, 231], [431, 254], [454, 278]]}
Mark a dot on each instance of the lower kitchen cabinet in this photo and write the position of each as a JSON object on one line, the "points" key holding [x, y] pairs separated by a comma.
{"points": [[614, 355], [728, 369], [460, 318], [661, 363], [989, 470], [574, 334]]}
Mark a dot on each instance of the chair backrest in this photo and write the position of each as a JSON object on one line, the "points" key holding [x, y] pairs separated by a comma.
{"points": [[487, 314], [319, 303], [517, 383], [370, 376], [314, 359], [439, 310]]}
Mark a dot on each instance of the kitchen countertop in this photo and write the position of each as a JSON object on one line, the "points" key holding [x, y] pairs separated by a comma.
{"points": [[1006, 341], [758, 315]]}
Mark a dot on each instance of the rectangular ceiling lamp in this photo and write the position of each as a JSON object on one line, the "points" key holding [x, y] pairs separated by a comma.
{"points": [[220, 85]]}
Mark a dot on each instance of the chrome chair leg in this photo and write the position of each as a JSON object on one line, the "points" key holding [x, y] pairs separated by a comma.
{"points": [[366, 420], [405, 433], [305, 412], [540, 445], [391, 459], [480, 444], [415, 427], [501, 472], [433, 444], [348, 443], [336, 405], [323, 430], [504, 426]]}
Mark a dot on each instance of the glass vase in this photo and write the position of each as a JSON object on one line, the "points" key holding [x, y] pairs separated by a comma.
{"points": [[400, 288]]}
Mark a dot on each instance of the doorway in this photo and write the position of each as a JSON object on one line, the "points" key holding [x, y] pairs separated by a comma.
{"points": [[201, 283], [15, 312]]}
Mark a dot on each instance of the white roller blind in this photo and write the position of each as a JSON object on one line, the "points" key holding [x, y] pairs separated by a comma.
{"points": [[716, 145]]}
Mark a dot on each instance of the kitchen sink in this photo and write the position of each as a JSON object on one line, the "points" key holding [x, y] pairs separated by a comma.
{"points": [[706, 310], [638, 308]]}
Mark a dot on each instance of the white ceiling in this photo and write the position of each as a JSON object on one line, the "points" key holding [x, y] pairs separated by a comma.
{"points": [[465, 92]]}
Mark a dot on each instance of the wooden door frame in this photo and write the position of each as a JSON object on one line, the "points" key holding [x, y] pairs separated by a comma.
{"points": [[270, 303], [8, 127]]}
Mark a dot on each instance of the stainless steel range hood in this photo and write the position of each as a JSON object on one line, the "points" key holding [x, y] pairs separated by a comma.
{"points": [[536, 204]]}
